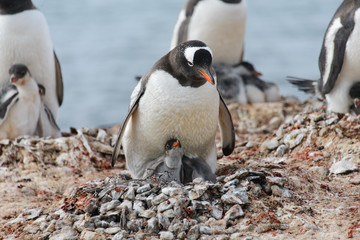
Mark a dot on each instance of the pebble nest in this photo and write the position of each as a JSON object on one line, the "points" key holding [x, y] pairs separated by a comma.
{"points": [[292, 167]]}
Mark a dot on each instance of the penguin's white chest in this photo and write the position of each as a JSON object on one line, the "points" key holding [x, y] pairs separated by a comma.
{"points": [[25, 39], [23, 115], [222, 27], [168, 110]]}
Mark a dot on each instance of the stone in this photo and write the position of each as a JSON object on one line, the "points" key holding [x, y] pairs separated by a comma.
{"points": [[234, 212], [112, 230], [272, 144], [166, 235], [197, 191], [281, 192], [152, 225], [66, 232], [343, 167], [106, 207]]}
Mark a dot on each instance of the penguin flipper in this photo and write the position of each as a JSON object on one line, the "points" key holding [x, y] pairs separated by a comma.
{"points": [[7, 101], [338, 53], [133, 106], [59, 81], [305, 85], [226, 128]]}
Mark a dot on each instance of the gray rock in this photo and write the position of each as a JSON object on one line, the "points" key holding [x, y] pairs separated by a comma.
{"points": [[120, 235], [343, 167], [109, 206], [130, 194], [66, 233], [166, 205], [197, 191], [234, 212], [272, 144], [152, 225], [32, 213], [281, 150], [166, 235], [112, 230], [193, 233], [204, 230], [276, 180], [281, 192]]}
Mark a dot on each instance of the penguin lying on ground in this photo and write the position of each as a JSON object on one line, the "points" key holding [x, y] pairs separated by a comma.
{"points": [[241, 83]]}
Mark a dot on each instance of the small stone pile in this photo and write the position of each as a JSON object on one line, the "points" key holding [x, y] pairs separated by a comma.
{"points": [[125, 208]]}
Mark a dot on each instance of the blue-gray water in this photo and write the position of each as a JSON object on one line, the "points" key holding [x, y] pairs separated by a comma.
{"points": [[103, 44]]}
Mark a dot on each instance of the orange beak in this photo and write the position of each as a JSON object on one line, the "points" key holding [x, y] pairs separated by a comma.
{"points": [[256, 73], [176, 144], [13, 79], [210, 78]]}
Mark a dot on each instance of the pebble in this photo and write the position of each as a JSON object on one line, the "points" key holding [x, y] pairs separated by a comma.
{"points": [[272, 144], [234, 212], [164, 210], [281, 150], [343, 167], [166, 235]]}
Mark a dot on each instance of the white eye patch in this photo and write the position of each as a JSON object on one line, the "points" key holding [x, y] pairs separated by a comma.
{"points": [[190, 52]]}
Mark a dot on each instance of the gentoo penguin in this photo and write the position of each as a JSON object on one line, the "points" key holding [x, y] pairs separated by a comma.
{"points": [[174, 165], [25, 38], [47, 125], [339, 59], [241, 83], [169, 166], [218, 23], [178, 99], [257, 90], [20, 106]]}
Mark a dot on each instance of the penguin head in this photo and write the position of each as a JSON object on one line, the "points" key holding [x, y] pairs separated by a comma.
{"points": [[247, 69], [15, 6], [173, 153], [191, 62], [19, 74]]}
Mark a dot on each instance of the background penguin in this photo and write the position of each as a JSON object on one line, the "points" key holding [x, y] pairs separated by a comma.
{"points": [[241, 83], [339, 59], [175, 166], [178, 99], [20, 106], [25, 38], [218, 23]]}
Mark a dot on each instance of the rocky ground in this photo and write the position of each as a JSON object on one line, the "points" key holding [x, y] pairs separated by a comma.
{"points": [[293, 175]]}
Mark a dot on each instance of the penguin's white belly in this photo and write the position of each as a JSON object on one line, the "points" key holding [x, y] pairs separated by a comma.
{"points": [[22, 117], [167, 110], [222, 27], [338, 99], [25, 39]]}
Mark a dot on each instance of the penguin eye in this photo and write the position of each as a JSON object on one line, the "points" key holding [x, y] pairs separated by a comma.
{"points": [[190, 64]]}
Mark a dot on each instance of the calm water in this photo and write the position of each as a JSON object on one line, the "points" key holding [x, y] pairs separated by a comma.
{"points": [[103, 44]]}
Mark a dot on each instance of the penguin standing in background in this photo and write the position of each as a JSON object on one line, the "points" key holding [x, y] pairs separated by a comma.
{"points": [[25, 38], [176, 99], [218, 23], [339, 60], [19, 104]]}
